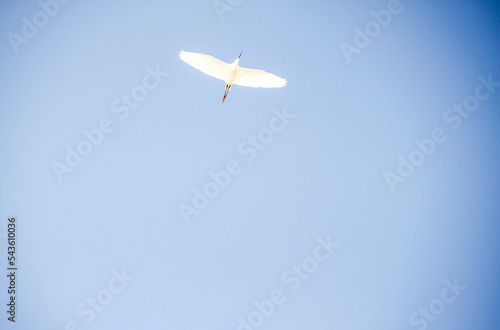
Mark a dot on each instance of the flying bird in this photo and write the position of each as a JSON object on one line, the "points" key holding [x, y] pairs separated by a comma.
{"points": [[231, 73]]}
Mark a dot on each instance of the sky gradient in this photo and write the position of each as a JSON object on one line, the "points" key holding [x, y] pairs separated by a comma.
{"points": [[362, 195]]}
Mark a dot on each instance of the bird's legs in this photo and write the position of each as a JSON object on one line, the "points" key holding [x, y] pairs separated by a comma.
{"points": [[228, 87]]}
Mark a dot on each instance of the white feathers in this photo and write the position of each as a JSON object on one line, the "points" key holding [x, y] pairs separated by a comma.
{"points": [[257, 78], [207, 64], [231, 73]]}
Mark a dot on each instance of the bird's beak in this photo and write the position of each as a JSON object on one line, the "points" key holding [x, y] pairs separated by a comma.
{"points": [[225, 94]]}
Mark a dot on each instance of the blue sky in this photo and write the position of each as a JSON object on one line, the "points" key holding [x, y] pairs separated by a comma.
{"points": [[339, 220]]}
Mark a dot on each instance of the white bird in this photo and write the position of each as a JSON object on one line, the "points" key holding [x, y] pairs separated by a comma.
{"points": [[231, 73]]}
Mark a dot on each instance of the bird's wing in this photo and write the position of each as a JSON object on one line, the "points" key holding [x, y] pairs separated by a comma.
{"points": [[257, 78], [207, 64]]}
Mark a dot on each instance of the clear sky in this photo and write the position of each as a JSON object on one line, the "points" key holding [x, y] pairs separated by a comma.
{"points": [[362, 195]]}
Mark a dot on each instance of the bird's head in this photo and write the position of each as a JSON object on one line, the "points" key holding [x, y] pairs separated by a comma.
{"points": [[237, 61]]}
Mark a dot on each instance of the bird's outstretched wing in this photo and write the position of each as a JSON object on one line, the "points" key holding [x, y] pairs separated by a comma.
{"points": [[257, 78], [207, 64]]}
